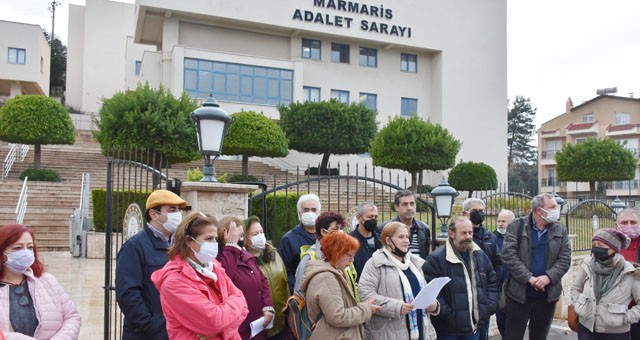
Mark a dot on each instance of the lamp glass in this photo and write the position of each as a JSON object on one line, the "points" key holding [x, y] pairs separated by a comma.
{"points": [[211, 133], [443, 205]]}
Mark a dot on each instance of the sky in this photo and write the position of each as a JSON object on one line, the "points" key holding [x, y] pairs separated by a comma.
{"points": [[556, 49]]}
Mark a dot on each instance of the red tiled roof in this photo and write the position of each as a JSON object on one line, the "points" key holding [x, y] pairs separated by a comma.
{"points": [[548, 132], [612, 128], [581, 126]]}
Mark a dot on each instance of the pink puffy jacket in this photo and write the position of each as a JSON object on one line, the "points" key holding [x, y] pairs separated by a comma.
{"points": [[58, 318], [193, 304]]}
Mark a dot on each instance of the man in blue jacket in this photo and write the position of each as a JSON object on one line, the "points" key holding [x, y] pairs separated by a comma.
{"points": [[469, 299], [142, 254], [301, 237]]}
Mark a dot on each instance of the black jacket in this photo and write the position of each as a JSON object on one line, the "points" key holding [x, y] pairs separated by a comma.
{"points": [[456, 316], [424, 234], [365, 251], [487, 241]]}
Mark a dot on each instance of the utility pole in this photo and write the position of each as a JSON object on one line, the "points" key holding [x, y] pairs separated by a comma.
{"points": [[52, 9]]}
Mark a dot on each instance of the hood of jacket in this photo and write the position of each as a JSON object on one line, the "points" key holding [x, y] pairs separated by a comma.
{"points": [[315, 267]]}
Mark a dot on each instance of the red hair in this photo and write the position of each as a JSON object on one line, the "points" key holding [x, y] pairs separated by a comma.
{"points": [[10, 234], [336, 244]]}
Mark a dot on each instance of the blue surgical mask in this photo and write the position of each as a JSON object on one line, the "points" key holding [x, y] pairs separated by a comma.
{"points": [[19, 261], [208, 251]]}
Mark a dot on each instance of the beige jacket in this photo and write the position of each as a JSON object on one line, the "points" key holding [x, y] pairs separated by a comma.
{"points": [[611, 314], [327, 292]]}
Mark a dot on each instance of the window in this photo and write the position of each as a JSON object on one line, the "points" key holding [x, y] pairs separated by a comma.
{"points": [[408, 107], [368, 57], [581, 140], [17, 55], [341, 96], [369, 100], [138, 67], [41, 64], [311, 94], [587, 118], [408, 63], [622, 118], [339, 53], [551, 177], [237, 82], [311, 49], [551, 149]]}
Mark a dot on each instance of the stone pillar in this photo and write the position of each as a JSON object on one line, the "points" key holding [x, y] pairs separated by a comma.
{"points": [[218, 199]]}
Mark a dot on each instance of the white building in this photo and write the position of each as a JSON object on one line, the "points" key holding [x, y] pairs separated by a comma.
{"points": [[442, 60], [24, 60]]}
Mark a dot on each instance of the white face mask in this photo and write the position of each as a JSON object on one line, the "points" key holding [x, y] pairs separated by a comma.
{"points": [[19, 261], [259, 241], [308, 219], [208, 251], [552, 215], [173, 220], [502, 231]]}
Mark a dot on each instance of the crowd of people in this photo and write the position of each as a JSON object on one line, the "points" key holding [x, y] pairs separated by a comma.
{"points": [[197, 277]]}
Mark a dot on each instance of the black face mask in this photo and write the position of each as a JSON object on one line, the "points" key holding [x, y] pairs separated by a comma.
{"points": [[370, 225], [396, 251], [476, 217], [241, 243], [601, 254]]}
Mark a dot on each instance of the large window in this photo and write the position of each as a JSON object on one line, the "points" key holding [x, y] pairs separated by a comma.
{"points": [[368, 57], [311, 49], [17, 55], [138, 67], [408, 107], [587, 118], [311, 94], [236, 82], [340, 95], [622, 118], [408, 63], [339, 53], [369, 100]]}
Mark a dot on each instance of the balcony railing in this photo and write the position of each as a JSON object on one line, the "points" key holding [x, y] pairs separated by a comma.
{"points": [[553, 181], [551, 154], [623, 185]]}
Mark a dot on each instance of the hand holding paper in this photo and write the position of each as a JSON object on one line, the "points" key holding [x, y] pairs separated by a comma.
{"points": [[429, 293], [257, 326]]}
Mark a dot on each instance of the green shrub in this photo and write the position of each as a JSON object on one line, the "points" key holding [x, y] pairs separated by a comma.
{"points": [[44, 175], [515, 204], [283, 205], [424, 188], [242, 178], [315, 172], [121, 200], [194, 175]]}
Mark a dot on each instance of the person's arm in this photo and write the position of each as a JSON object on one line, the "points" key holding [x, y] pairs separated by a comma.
{"points": [[492, 289], [368, 288], [300, 271], [328, 294], [431, 270], [129, 282], [70, 317], [229, 258], [633, 314], [563, 262]]}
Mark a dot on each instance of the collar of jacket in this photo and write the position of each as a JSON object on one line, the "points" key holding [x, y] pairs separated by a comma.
{"points": [[380, 258], [451, 254]]}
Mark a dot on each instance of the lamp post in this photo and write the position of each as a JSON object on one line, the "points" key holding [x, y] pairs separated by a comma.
{"points": [[443, 195], [617, 205], [211, 123]]}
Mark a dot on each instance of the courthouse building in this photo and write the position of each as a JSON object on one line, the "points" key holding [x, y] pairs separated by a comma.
{"points": [[441, 60]]}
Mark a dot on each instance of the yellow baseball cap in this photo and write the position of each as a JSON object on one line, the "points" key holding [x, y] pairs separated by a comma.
{"points": [[164, 197]]}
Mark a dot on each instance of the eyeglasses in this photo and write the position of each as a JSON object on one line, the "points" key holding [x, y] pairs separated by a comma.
{"points": [[24, 299]]}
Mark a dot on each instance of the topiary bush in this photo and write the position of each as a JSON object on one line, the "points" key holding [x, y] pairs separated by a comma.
{"points": [[471, 176], [44, 175], [121, 201], [280, 208]]}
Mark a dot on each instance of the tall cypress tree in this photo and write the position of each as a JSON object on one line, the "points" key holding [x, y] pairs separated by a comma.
{"points": [[520, 131]]}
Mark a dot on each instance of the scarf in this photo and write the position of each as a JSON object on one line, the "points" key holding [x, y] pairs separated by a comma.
{"points": [[414, 333], [206, 270], [606, 274]]}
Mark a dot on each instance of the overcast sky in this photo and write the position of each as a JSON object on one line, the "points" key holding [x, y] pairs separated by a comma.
{"points": [[556, 48]]}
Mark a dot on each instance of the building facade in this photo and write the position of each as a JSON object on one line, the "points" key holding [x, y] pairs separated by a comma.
{"points": [[443, 61], [603, 116], [24, 60]]}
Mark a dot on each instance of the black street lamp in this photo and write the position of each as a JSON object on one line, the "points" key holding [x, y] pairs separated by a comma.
{"points": [[212, 123], [443, 195]]}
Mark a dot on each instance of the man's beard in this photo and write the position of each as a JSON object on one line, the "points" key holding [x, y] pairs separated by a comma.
{"points": [[463, 245]]}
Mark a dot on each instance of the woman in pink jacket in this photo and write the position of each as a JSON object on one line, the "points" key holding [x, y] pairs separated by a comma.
{"points": [[198, 299], [33, 305]]}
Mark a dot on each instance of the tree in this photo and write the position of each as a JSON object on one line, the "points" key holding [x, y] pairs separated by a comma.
{"points": [[470, 176], [149, 119], [328, 128], [520, 131], [523, 178], [595, 160], [58, 70], [414, 145], [37, 120], [253, 134]]}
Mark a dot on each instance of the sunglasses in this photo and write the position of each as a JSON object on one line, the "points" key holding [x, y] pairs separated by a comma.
{"points": [[24, 299]]}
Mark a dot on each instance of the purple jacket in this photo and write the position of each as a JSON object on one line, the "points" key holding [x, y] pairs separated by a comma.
{"points": [[58, 318], [242, 268]]}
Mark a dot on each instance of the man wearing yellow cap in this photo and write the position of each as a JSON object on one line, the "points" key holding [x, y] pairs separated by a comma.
{"points": [[140, 256]]}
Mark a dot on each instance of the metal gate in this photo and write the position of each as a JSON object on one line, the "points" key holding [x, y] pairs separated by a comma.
{"points": [[341, 193], [129, 180], [518, 203], [585, 218]]}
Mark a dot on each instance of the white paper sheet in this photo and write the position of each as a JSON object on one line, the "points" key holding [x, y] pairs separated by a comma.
{"points": [[429, 293], [256, 326]]}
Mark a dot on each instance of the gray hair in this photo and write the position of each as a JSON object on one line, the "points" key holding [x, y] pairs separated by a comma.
{"points": [[538, 200], [457, 219], [510, 215], [308, 197], [627, 212], [363, 206], [470, 201], [402, 193]]}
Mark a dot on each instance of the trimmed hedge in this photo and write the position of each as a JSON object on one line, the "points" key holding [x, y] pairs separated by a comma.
{"points": [[121, 201], [43, 175], [277, 227], [242, 178]]}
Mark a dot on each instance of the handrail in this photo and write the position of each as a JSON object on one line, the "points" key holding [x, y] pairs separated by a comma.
{"points": [[16, 152], [21, 208]]}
